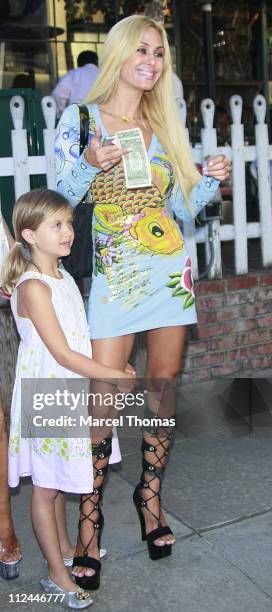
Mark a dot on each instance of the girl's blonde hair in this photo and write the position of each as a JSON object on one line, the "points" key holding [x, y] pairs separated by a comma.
{"points": [[30, 210], [158, 106]]}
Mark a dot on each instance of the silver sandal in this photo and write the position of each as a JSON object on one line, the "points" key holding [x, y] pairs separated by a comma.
{"points": [[10, 570], [77, 600]]}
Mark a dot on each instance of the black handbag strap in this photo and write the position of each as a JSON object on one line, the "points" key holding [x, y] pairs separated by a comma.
{"points": [[84, 127]]}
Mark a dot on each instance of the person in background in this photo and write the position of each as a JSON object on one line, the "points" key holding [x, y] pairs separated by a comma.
{"points": [[75, 85], [178, 89], [23, 80], [222, 123], [10, 550]]}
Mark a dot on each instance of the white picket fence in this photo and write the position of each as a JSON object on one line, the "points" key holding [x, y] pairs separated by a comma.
{"points": [[21, 166]]}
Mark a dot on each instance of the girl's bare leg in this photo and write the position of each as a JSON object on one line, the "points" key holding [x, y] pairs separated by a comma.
{"points": [[45, 526]]}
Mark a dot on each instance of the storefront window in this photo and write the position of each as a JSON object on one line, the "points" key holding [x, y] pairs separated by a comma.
{"points": [[41, 39], [242, 49]]}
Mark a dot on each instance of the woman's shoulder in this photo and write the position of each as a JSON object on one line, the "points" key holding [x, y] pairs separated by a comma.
{"points": [[71, 114]]}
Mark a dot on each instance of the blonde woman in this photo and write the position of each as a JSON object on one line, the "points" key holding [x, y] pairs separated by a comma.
{"points": [[141, 279]]}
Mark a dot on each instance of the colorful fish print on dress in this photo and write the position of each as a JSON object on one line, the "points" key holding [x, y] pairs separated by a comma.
{"points": [[136, 218]]}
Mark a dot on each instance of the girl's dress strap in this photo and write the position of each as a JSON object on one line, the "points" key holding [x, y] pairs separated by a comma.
{"points": [[32, 274]]}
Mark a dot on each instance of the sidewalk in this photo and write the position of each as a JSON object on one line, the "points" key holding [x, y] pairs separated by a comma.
{"points": [[218, 497]]}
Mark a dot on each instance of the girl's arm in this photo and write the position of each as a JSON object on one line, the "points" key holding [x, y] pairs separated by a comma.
{"points": [[34, 299]]}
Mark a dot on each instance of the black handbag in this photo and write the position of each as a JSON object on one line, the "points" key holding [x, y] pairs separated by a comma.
{"points": [[80, 261]]}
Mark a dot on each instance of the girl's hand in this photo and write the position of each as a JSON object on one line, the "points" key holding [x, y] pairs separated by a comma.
{"points": [[218, 167], [125, 382], [129, 369], [102, 157]]}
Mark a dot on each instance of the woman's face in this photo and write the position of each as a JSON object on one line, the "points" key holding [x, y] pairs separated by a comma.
{"points": [[143, 69]]}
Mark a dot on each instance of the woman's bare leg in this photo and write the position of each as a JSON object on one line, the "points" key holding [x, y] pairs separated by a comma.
{"points": [[67, 550], [165, 347], [113, 352], [10, 549]]}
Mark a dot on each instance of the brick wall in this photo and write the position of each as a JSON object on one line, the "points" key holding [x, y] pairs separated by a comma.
{"points": [[234, 329]]}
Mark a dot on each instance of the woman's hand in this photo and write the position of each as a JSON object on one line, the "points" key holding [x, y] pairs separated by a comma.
{"points": [[102, 157], [4, 296], [218, 167], [10, 238]]}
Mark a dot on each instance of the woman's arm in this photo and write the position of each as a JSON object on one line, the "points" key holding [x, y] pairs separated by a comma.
{"points": [[6, 242], [73, 173], [10, 238], [201, 194], [34, 297], [218, 170]]}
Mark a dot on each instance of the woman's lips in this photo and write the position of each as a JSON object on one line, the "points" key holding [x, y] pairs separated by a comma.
{"points": [[146, 74]]}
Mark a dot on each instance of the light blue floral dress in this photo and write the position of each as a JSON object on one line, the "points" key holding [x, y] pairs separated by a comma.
{"points": [[141, 268], [55, 463]]}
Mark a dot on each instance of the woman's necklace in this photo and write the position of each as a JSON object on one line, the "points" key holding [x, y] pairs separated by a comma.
{"points": [[124, 118]]}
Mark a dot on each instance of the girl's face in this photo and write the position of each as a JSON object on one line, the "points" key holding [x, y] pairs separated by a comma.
{"points": [[54, 236], [144, 67]]}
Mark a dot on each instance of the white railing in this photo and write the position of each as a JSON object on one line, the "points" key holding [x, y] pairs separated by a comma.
{"points": [[22, 166], [240, 153]]}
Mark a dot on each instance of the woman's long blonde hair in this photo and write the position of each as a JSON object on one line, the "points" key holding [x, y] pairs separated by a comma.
{"points": [[30, 210], [158, 106]]}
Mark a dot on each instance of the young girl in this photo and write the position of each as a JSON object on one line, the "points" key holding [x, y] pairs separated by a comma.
{"points": [[10, 549], [50, 319]]}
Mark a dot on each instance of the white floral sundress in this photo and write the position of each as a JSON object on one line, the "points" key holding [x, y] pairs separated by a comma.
{"points": [[57, 463]]}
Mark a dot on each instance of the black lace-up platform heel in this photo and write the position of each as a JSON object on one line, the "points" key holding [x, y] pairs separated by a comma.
{"points": [[151, 484], [91, 512]]}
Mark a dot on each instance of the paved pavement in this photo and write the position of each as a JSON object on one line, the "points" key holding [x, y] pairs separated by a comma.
{"points": [[218, 498]]}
